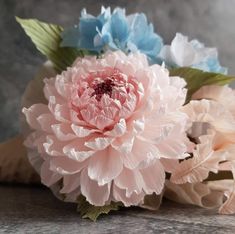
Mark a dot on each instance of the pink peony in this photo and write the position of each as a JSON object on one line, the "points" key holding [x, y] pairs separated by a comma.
{"points": [[107, 124], [212, 113]]}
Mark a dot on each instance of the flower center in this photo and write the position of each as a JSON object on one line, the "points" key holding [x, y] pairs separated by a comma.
{"points": [[105, 87], [102, 98], [110, 82]]}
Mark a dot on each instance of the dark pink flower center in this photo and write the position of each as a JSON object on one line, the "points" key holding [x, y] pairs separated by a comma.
{"points": [[102, 98], [104, 87]]}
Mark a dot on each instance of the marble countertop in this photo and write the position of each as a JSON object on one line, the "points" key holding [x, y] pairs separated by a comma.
{"points": [[26, 209]]}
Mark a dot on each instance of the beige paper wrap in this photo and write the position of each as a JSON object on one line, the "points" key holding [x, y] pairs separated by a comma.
{"points": [[14, 163]]}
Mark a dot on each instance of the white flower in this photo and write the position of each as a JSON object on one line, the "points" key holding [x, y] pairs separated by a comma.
{"points": [[185, 53]]}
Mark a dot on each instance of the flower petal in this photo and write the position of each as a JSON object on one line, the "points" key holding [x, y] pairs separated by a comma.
{"points": [[45, 121], [130, 180], [98, 143], [95, 194], [76, 150], [132, 200], [118, 130], [105, 165], [70, 183], [81, 131], [154, 178], [142, 152], [33, 112], [63, 132], [48, 177], [66, 166]]}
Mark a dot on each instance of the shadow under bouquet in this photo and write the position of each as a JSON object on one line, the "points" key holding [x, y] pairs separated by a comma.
{"points": [[116, 118]]}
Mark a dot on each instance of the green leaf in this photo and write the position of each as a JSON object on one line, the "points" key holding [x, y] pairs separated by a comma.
{"points": [[195, 79], [93, 212], [47, 39]]}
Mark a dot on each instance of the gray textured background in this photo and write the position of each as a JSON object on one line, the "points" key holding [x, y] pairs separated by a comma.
{"points": [[211, 21], [34, 210]]}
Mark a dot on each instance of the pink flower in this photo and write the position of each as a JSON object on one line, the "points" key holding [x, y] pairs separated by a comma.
{"points": [[213, 129], [107, 124]]}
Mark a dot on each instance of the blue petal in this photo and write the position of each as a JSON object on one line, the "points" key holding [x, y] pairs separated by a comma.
{"points": [[70, 37], [88, 30], [119, 26], [143, 36], [211, 65], [105, 15], [214, 66], [114, 31]]}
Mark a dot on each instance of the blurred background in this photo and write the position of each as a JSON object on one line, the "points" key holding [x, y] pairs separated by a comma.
{"points": [[212, 22]]}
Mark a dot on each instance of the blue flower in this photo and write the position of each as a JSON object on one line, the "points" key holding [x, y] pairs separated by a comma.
{"points": [[83, 35], [142, 36], [114, 31]]}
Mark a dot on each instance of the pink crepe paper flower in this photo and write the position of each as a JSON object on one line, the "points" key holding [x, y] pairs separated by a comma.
{"points": [[107, 124], [212, 113]]}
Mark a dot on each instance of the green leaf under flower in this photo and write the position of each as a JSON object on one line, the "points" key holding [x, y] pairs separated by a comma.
{"points": [[93, 212], [195, 79], [47, 39]]}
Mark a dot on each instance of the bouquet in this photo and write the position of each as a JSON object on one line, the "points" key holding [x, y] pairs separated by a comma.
{"points": [[116, 118]]}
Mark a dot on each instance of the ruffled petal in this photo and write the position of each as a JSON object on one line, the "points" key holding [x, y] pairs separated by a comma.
{"points": [[95, 194], [130, 180], [132, 200], [65, 166], [70, 183], [48, 177], [63, 132], [118, 130], [104, 166], [81, 131], [32, 114], [52, 146], [98, 143], [142, 153], [46, 121], [76, 150], [154, 178]]}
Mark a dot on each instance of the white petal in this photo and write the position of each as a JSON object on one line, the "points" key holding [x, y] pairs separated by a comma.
{"points": [[183, 52]]}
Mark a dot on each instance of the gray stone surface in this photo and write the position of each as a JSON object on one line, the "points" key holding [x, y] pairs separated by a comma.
{"points": [[35, 210], [209, 21]]}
